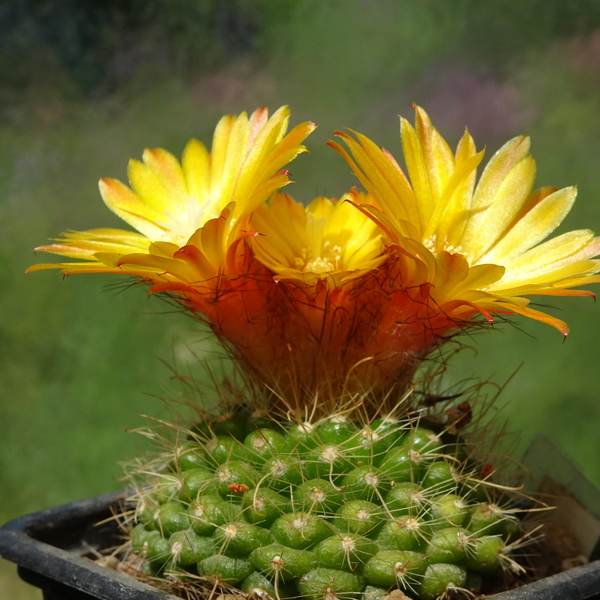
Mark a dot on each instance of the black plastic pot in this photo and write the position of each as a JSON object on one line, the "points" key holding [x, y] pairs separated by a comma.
{"points": [[52, 549]]}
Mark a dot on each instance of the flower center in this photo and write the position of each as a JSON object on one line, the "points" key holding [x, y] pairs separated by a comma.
{"points": [[319, 255], [433, 245], [327, 260]]}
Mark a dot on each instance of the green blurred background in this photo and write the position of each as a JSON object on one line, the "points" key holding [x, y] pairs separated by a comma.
{"points": [[85, 85]]}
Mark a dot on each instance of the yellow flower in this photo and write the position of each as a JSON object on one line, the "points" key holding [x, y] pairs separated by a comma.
{"points": [[333, 306], [328, 239], [479, 245], [190, 215]]}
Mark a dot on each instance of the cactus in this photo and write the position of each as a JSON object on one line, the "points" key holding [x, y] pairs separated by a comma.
{"points": [[334, 508], [332, 307]]}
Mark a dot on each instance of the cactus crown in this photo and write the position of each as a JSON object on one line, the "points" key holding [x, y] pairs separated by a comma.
{"points": [[323, 509]]}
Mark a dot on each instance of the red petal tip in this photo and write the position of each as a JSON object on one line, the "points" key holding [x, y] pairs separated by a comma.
{"points": [[342, 134]]}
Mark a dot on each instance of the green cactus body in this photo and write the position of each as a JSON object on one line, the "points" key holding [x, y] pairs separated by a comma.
{"points": [[319, 511]]}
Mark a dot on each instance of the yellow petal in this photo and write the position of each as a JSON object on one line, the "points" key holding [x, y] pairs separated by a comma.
{"points": [[419, 179], [223, 186], [537, 315], [220, 149], [452, 207], [534, 227], [381, 177], [488, 225], [170, 174], [167, 267], [480, 277], [85, 244], [496, 171], [439, 160], [195, 163], [126, 204], [150, 185], [451, 270]]}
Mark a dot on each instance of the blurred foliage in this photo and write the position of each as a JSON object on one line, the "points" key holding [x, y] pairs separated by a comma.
{"points": [[93, 46], [519, 27], [87, 48]]}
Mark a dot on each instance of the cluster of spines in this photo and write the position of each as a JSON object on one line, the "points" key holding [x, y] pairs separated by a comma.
{"points": [[322, 511]]}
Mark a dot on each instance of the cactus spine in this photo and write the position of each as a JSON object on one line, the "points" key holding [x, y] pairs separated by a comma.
{"points": [[323, 510]]}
